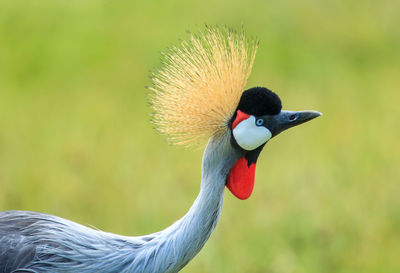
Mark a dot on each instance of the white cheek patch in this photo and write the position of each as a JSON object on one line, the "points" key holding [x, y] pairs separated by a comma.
{"points": [[249, 136]]}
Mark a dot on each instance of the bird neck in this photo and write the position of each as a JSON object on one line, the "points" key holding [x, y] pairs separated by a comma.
{"points": [[218, 159], [180, 242]]}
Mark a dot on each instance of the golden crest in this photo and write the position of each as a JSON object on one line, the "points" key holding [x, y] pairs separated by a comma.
{"points": [[199, 85]]}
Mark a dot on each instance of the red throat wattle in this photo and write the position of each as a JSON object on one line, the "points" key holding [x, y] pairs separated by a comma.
{"points": [[241, 179]]}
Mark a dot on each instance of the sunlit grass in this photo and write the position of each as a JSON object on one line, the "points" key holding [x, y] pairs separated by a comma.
{"points": [[75, 137]]}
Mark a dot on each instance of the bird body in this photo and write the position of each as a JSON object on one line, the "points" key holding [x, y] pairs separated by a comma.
{"points": [[198, 93], [45, 243]]}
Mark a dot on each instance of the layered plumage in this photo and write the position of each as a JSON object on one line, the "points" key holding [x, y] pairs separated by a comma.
{"points": [[40, 243], [197, 94]]}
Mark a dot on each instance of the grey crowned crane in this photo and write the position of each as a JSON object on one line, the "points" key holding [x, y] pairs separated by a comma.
{"points": [[198, 93]]}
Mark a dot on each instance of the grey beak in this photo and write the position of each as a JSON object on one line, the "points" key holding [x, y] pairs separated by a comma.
{"points": [[287, 119]]}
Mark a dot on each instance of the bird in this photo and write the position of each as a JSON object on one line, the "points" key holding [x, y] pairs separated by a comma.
{"points": [[199, 97]]}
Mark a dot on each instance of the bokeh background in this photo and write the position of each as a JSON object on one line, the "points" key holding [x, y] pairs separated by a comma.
{"points": [[76, 141]]}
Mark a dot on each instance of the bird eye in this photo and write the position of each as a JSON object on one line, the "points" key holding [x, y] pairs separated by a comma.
{"points": [[292, 117], [259, 122]]}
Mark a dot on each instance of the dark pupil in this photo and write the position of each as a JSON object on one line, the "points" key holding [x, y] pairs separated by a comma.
{"points": [[292, 117], [259, 122]]}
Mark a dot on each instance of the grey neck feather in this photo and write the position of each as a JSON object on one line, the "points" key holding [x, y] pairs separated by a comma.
{"points": [[180, 242], [62, 246]]}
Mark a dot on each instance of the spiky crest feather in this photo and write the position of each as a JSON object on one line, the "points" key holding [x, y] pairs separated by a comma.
{"points": [[200, 82]]}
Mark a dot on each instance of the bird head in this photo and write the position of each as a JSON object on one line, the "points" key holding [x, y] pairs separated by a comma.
{"points": [[199, 93], [256, 120]]}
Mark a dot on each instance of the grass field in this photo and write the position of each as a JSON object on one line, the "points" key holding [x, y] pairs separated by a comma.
{"points": [[76, 141]]}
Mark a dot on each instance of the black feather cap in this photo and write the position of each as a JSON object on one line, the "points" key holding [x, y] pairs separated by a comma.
{"points": [[259, 101]]}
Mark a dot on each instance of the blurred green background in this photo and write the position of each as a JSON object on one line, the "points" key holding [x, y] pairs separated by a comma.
{"points": [[75, 137]]}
